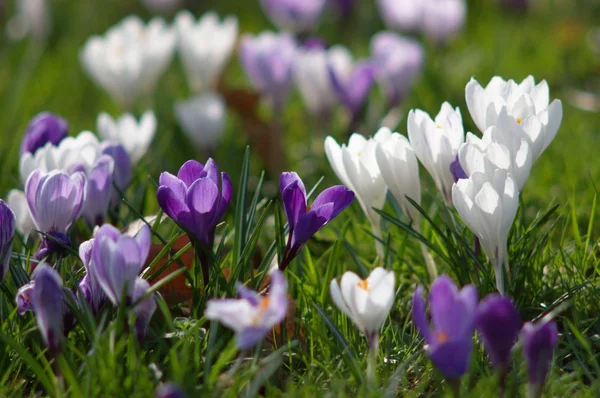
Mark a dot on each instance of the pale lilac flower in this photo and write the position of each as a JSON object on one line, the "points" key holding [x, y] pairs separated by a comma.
{"points": [[122, 169], [89, 285], [24, 298], [144, 309], [49, 306], [98, 191], [352, 85], [298, 16], [7, 233], [202, 119], [443, 19], [251, 316]]}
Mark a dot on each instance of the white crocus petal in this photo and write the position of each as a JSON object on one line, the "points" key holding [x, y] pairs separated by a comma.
{"points": [[205, 47], [235, 314], [436, 143], [202, 119], [133, 135], [18, 204], [366, 302], [399, 169], [487, 203]]}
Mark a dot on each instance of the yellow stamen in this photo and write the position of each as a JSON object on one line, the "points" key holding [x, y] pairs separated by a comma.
{"points": [[262, 307], [364, 285], [438, 126], [307, 208], [519, 120]]}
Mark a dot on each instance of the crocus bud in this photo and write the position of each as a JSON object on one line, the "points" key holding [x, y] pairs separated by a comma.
{"points": [[251, 316], [55, 200], [526, 102], [202, 119], [205, 47], [98, 191], [24, 298], [303, 220], [443, 19], [118, 259], [89, 285], [130, 58], [48, 303], [18, 203], [397, 61], [7, 233], [352, 85], [133, 135], [355, 165], [122, 169], [405, 16], [44, 127], [144, 309], [196, 198], [497, 319], [450, 339], [400, 171], [367, 302], [268, 60], [169, 390], [539, 341], [298, 16], [436, 143], [488, 204]]}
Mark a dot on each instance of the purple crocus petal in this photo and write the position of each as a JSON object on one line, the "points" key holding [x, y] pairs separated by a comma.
{"points": [[294, 204], [339, 195], [143, 239], [419, 316], [24, 298], [202, 199], [289, 177], [89, 284], [250, 336], [48, 302], [248, 294], [98, 190], [457, 171], [497, 319], [145, 309], [45, 127], [226, 194], [189, 172], [169, 390], [7, 233], [212, 171], [442, 298], [539, 341], [171, 198], [452, 357], [122, 170], [31, 190], [278, 301], [309, 224]]}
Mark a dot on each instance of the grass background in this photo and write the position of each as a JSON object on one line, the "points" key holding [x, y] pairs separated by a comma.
{"points": [[554, 244]]}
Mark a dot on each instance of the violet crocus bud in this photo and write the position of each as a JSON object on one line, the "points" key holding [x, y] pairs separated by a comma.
{"points": [[122, 168], [98, 190], [298, 16], [443, 19], [55, 200], [497, 319], [89, 285], [268, 60], [450, 341], [144, 309], [352, 85], [24, 298], [539, 340], [303, 220], [251, 316], [44, 127], [7, 233], [118, 259], [398, 61], [169, 390], [48, 303]]}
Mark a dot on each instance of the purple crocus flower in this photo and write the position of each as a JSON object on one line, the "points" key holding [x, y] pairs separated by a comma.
{"points": [[458, 173], [497, 319], [196, 199], [268, 60], [352, 85], [24, 298], [169, 390], [251, 316], [144, 309], [98, 190], [443, 19], [398, 61], [298, 16], [450, 341], [303, 220], [539, 340], [49, 305], [122, 168], [44, 127], [7, 233], [89, 285], [118, 259], [55, 201]]}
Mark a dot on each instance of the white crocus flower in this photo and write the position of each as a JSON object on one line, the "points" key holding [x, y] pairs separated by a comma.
{"points": [[83, 149], [367, 302], [312, 76], [503, 146], [356, 166], [202, 119], [436, 143], [129, 58], [23, 220], [488, 204], [205, 47], [528, 103], [133, 135]]}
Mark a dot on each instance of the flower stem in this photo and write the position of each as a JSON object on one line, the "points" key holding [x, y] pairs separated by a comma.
{"points": [[534, 390], [373, 342]]}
